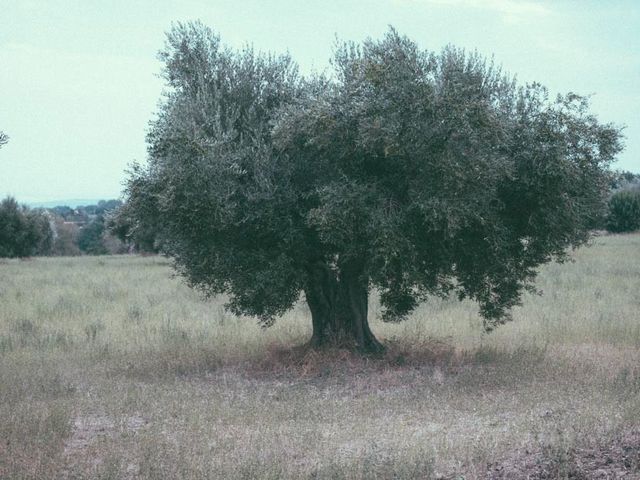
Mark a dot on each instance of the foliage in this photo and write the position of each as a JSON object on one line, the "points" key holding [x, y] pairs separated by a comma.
{"points": [[140, 234], [625, 180], [112, 244], [411, 172], [82, 229], [84, 214], [3, 138], [624, 211], [65, 236], [90, 238], [61, 230], [63, 211], [23, 232], [102, 208]]}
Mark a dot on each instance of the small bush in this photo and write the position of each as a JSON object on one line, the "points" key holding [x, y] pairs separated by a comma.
{"points": [[624, 211]]}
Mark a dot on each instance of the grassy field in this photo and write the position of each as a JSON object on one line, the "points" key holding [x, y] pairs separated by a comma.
{"points": [[112, 368]]}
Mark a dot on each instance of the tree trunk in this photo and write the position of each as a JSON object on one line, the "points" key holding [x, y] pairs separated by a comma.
{"points": [[339, 308]]}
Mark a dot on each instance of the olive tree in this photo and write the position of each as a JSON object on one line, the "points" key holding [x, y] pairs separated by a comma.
{"points": [[409, 172]]}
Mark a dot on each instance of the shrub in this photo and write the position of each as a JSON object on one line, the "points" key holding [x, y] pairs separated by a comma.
{"points": [[90, 238], [624, 211], [23, 232]]}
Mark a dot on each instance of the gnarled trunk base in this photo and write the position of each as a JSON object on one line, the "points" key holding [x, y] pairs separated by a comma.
{"points": [[339, 310]]}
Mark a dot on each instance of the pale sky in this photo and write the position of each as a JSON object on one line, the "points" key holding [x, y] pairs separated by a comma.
{"points": [[78, 79]]}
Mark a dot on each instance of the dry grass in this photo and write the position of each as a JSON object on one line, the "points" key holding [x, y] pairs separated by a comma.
{"points": [[111, 368]]}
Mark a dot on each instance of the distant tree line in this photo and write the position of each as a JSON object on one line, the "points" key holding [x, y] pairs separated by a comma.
{"points": [[65, 231], [91, 229], [83, 229]]}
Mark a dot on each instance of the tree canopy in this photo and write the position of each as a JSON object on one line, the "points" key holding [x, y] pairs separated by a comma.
{"points": [[624, 211], [124, 224], [406, 171], [23, 232]]}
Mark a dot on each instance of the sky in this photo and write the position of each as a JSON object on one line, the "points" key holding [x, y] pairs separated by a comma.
{"points": [[79, 79]]}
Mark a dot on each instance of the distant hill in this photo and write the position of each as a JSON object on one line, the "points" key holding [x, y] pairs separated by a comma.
{"points": [[73, 203]]}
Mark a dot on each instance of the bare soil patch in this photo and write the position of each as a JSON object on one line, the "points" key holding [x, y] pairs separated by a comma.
{"points": [[615, 458]]}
